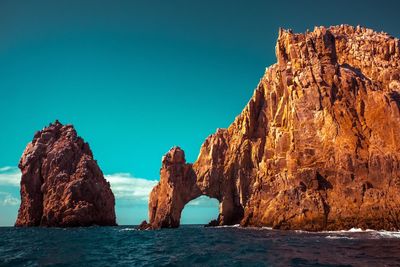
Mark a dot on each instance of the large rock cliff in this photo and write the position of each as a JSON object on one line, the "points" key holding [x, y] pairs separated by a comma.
{"points": [[316, 148], [61, 183]]}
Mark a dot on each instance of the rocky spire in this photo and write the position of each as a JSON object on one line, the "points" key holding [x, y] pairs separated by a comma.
{"points": [[61, 183]]}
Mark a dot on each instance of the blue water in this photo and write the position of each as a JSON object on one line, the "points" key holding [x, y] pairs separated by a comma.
{"points": [[195, 246]]}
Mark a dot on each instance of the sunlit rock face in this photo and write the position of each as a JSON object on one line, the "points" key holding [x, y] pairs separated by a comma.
{"points": [[177, 187], [316, 148], [61, 183]]}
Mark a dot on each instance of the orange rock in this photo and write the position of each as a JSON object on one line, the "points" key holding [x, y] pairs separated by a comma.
{"points": [[316, 148], [61, 183]]}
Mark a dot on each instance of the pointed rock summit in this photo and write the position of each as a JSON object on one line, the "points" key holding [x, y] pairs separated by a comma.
{"points": [[316, 148], [61, 183]]}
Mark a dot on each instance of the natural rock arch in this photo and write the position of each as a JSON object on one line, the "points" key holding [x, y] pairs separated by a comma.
{"points": [[202, 210], [179, 184]]}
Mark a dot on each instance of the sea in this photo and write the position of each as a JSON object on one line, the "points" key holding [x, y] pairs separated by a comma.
{"points": [[195, 245]]}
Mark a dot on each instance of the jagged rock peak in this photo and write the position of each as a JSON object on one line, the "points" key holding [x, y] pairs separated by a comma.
{"points": [[315, 148], [174, 156], [61, 183]]}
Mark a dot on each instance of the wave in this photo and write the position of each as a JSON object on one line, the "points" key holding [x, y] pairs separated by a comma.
{"points": [[360, 233], [127, 229], [353, 233], [228, 226], [338, 237], [267, 228], [339, 234], [388, 234], [351, 230]]}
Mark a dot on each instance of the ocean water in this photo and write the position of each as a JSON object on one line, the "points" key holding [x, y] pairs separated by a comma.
{"points": [[194, 245]]}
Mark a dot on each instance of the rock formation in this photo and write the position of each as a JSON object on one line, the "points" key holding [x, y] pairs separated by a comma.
{"points": [[316, 148], [61, 183]]}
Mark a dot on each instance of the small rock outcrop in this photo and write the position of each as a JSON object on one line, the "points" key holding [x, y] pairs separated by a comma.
{"points": [[61, 183], [316, 148], [144, 225]]}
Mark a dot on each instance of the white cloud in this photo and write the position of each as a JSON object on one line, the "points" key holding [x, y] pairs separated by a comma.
{"points": [[204, 201], [126, 187], [123, 185], [10, 176], [131, 195], [6, 168], [6, 199]]}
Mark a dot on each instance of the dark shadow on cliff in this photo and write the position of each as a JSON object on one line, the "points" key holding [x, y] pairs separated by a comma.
{"points": [[323, 184], [355, 70], [395, 96]]}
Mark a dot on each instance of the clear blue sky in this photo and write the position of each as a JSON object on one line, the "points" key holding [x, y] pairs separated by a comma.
{"points": [[137, 77]]}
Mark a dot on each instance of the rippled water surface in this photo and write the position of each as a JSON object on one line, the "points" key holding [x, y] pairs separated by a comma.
{"points": [[195, 246]]}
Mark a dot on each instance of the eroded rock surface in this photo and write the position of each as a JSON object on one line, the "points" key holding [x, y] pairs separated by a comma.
{"points": [[316, 148], [61, 183]]}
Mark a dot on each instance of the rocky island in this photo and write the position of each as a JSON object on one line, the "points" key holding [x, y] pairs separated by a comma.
{"points": [[316, 148], [61, 183]]}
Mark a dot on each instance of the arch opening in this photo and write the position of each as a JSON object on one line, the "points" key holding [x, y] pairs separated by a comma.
{"points": [[201, 210]]}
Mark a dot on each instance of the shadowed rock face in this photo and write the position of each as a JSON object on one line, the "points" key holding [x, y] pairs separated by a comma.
{"points": [[61, 183], [316, 148]]}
